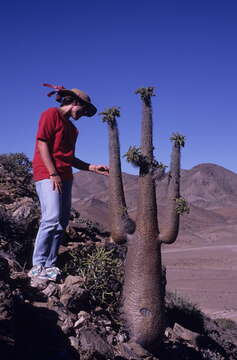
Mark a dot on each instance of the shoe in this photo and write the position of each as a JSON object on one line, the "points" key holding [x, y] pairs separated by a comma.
{"points": [[53, 273], [36, 271]]}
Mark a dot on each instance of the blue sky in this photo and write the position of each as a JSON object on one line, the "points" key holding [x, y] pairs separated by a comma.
{"points": [[186, 49]]}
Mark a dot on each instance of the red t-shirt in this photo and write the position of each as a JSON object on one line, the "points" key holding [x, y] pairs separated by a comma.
{"points": [[60, 135]]}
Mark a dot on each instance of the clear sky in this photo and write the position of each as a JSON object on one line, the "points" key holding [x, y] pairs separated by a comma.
{"points": [[187, 49]]}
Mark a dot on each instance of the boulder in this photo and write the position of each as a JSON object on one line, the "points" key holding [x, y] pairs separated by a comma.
{"points": [[40, 284], [72, 280], [92, 342], [133, 351], [25, 211], [55, 305], [180, 332], [73, 297], [22, 208], [52, 289]]}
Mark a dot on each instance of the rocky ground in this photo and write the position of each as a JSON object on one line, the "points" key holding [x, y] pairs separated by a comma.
{"points": [[80, 317], [64, 321]]}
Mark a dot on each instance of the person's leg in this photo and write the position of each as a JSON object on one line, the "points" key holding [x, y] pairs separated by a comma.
{"points": [[50, 201], [66, 202], [65, 209]]}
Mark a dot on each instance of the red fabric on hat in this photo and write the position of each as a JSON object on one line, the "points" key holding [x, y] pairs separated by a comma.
{"points": [[56, 87], [61, 136]]}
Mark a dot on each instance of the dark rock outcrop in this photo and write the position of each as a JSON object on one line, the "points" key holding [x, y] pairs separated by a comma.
{"points": [[73, 296]]}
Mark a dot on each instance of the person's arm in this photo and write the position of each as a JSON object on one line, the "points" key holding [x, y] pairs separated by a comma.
{"points": [[48, 162], [81, 165]]}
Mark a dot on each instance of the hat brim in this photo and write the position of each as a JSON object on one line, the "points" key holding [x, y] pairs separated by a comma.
{"points": [[91, 110]]}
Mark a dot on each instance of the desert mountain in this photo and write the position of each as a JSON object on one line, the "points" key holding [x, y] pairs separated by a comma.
{"points": [[210, 186], [210, 190]]}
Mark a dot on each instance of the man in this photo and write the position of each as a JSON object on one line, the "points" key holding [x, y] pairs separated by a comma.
{"points": [[52, 169]]}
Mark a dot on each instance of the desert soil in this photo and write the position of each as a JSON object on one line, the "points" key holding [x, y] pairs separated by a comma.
{"points": [[205, 275]]}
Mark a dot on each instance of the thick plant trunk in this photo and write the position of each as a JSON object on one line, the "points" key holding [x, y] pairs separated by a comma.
{"points": [[143, 294], [143, 304], [121, 224]]}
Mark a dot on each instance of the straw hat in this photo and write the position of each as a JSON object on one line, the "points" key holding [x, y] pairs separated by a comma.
{"points": [[83, 97], [80, 95]]}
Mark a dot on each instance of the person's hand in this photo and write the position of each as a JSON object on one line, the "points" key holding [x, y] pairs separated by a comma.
{"points": [[57, 183], [99, 169]]}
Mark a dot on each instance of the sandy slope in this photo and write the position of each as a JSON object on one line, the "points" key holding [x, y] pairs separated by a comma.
{"points": [[206, 275]]}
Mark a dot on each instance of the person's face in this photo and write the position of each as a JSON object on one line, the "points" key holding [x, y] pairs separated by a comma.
{"points": [[77, 110]]}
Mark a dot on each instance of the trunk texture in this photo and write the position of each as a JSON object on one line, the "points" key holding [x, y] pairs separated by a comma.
{"points": [[170, 234], [121, 224], [143, 296]]}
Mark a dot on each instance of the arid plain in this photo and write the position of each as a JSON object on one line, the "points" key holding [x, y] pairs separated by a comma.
{"points": [[202, 263]]}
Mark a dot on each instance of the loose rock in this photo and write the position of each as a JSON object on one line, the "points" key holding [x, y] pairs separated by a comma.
{"points": [[73, 296], [83, 316], [94, 343], [133, 351], [180, 332], [52, 289], [74, 342]]}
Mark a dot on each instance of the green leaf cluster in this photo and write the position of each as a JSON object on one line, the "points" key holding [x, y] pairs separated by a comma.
{"points": [[137, 159], [146, 93], [101, 269], [110, 115], [178, 139], [182, 206], [134, 156]]}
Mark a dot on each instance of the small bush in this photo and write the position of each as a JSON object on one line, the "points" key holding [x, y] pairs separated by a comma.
{"points": [[102, 271], [16, 164], [16, 175]]}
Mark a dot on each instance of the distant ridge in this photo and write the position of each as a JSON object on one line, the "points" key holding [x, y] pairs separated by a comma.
{"points": [[210, 189]]}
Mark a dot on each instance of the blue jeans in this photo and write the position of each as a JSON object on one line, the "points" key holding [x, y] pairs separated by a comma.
{"points": [[55, 213]]}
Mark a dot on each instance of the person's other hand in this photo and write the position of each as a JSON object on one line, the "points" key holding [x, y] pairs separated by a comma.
{"points": [[99, 169], [57, 183]]}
